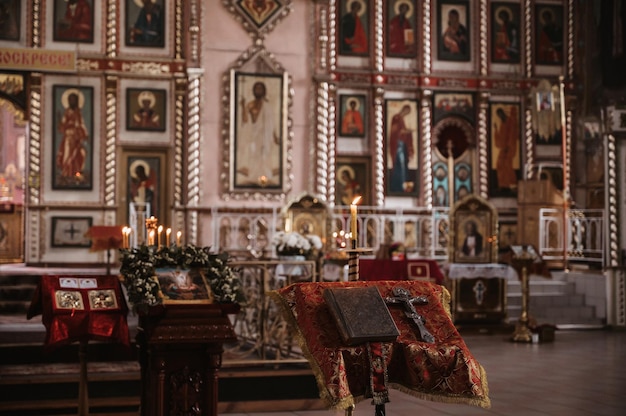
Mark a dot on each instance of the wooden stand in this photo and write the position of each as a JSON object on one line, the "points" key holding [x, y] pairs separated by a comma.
{"points": [[181, 349], [353, 276], [83, 395]]}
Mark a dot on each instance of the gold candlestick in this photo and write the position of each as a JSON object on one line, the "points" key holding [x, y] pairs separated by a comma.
{"points": [[151, 228], [522, 264]]}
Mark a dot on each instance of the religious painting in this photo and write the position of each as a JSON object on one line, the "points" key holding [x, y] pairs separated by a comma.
{"points": [[353, 180], [401, 127], [549, 34], [259, 130], [473, 231], [73, 21], [12, 86], [353, 27], [507, 234], [259, 11], [505, 33], [453, 103], [401, 20], [471, 241], [145, 109], [145, 175], [440, 185], [180, 285], [10, 19], [453, 22], [546, 118], [505, 166], [352, 120], [69, 232], [145, 23], [258, 17], [545, 101], [72, 156], [594, 152]]}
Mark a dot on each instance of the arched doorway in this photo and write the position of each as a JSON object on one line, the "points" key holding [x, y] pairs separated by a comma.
{"points": [[13, 148]]}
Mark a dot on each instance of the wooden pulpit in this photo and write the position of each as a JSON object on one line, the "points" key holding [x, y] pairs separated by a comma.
{"points": [[180, 352]]}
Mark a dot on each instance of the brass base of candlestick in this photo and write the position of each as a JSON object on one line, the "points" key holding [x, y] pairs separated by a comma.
{"points": [[522, 333]]}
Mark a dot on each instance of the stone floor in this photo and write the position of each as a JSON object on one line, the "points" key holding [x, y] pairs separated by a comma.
{"points": [[580, 373]]}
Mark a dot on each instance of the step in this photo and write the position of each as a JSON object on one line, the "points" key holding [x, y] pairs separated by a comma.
{"points": [[114, 388], [547, 299], [537, 287]]}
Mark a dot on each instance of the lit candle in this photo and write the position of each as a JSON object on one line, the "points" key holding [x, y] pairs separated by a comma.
{"points": [[353, 218], [124, 238], [179, 235], [160, 235], [168, 233], [151, 238]]}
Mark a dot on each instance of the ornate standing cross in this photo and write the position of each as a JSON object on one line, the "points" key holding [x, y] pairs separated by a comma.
{"points": [[403, 296]]}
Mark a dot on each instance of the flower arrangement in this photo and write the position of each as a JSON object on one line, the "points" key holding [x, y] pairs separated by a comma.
{"points": [[139, 264], [296, 244]]}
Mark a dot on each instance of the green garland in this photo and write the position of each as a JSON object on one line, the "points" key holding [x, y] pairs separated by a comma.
{"points": [[139, 264]]}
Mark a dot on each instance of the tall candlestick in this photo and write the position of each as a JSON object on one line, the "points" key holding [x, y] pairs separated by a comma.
{"points": [[168, 233], [160, 235], [353, 216], [151, 238], [179, 235]]}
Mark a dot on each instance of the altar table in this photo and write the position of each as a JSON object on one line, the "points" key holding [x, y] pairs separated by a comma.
{"points": [[407, 269], [80, 308], [487, 271], [479, 292], [444, 371]]}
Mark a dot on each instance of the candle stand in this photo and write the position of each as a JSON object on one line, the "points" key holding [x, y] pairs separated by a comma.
{"points": [[353, 261], [353, 276], [522, 264]]}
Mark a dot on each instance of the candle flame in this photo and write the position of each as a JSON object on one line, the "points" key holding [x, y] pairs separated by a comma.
{"points": [[356, 200]]}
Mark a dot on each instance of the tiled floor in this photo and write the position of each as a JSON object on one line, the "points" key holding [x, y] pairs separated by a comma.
{"points": [[580, 373]]}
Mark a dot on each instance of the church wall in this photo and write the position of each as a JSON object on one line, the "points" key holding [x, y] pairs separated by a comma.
{"points": [[296, 45], [289, 42]]}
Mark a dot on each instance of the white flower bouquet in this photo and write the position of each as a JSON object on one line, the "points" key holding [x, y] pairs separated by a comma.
{"points": [[296, 244]]}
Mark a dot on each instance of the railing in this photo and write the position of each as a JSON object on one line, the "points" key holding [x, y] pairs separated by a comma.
{"points": [[584, 234], [262, 332], [263, 335], [424, 232]]}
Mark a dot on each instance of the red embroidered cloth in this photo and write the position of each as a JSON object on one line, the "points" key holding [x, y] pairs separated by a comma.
{"points": [[81, 308], [444, 371], [384, 269]]}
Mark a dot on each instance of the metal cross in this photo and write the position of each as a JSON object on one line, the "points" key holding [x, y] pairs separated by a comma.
{"points": [[403, 296]]}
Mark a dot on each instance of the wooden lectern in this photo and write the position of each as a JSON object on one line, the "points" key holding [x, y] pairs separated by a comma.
{"points": [[180, 354]]}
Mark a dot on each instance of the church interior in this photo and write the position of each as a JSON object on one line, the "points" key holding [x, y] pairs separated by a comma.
{"points": [[191, 178]]}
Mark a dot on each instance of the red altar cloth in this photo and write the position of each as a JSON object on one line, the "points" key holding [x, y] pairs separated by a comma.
{"points": [[384, 269], [444, 371], [81, 308]]}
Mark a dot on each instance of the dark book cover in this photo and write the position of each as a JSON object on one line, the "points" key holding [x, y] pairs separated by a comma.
{"points": [[361, 314]]}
